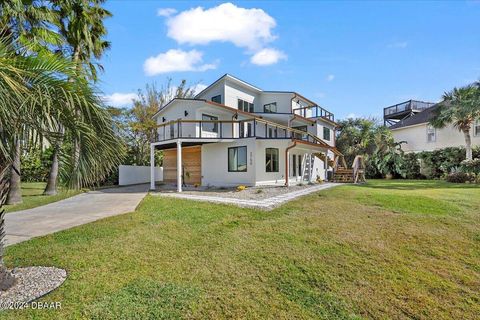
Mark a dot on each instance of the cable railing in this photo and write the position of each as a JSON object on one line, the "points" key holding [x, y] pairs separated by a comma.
{"points": [[231, 129], [314, 112]]}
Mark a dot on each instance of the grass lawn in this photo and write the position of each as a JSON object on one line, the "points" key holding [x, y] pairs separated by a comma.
{"points": [[32, 195], [387, 249]]}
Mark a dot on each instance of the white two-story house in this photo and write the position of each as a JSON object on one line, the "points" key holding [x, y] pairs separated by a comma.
{"points": [[234, 133]]}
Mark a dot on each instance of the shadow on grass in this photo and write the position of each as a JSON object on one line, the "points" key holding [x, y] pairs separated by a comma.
{"points": [[414, 185]]}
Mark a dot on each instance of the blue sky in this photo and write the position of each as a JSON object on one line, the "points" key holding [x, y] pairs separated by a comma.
{"points": [[352, 58]]}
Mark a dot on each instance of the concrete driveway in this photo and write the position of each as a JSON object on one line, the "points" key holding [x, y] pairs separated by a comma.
{"points": [[71, 212]]}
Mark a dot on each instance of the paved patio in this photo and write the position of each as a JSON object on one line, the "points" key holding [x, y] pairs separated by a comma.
{"points": [[71, 212], [265, 204]]}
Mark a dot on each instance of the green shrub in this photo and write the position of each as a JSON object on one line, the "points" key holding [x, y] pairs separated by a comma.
{"points": [[439, 163], [412, 166], [470, 166], [459, 177], [35, 165]]}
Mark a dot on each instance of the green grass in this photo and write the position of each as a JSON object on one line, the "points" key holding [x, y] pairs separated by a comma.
{"points": [[32, 195], [347, 253]]}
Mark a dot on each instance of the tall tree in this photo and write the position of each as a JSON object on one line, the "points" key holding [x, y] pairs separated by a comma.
{"points": [[460, 108], [80, 24]]}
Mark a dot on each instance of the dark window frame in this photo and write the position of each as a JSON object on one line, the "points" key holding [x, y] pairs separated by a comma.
{"points": [[299, 165], [294, 165], [245, 105], [228, 159], [273, 165], [219, 96], [325, 130], [270, 104], [211, 118]]}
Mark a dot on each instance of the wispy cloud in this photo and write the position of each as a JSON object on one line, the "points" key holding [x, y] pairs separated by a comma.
{"points": [[119, 99], [330, 77], [176, 60], [166, 12], [267, 56], [398, 44]]}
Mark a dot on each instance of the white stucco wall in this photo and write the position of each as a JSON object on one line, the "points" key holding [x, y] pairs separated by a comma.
{"points": [[137, 174], [215, 164], [416, 137]]}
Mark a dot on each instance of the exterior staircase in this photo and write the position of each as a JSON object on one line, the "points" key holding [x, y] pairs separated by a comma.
{"points": [[343, 175]]}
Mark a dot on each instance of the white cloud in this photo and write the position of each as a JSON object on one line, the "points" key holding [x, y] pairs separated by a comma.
{"points": [[267, 56], [175, 60], [119, 99], [245, 28], [198, 88], [398, 44], [330, 77], [351, 116], [166, 12]]}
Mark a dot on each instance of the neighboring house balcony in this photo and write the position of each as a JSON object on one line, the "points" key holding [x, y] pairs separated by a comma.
{"points": [[314, 112], [400, 111]]}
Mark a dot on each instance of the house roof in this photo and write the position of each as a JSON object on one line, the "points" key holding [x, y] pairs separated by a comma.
{"points": [[229, 76], [419, 118]]}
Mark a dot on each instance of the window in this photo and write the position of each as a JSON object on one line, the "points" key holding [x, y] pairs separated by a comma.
{"points": [[326, 133], [245, 106], [299, 165], [217, 99], [246, 130], [431, 134], [209, 126], [294, 165], [270, 107], [476, 128], [299, 135], [271, 160], [272, 132], [237, 159]]}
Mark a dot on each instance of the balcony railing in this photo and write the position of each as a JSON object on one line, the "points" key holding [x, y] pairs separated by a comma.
{"points": [[410, 105], [231, 129], [314, 112]]}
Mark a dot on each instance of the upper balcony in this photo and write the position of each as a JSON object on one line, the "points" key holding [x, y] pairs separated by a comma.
{"points": [[216, 130], [398, 111], [314, 112]]}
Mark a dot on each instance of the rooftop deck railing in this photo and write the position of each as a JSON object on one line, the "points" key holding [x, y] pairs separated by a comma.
{"points": [[314, 112], [407, 106], [231, 129]]}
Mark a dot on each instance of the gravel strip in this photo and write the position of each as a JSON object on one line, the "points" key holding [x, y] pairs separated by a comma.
{"points": [[31, 283], [251, 193]]}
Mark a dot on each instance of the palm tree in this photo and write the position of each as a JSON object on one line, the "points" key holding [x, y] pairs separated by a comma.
{"points": [[81, 27], [460, 108]]}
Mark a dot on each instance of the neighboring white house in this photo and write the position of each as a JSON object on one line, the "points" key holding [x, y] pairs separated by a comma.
{"points": [[233, 133], [420, 136]]}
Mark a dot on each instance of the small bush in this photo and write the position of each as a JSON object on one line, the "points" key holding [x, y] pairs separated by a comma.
{"points": [[259, 191], [470, 166], [459, 177]]}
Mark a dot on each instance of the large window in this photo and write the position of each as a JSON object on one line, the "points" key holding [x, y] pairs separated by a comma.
{"points": [[271, 160], [245, 106], [246, 129], [237, 159], [209, 126], [431, 134], [326, 133], [217, 99], [270, 107], [476, 128]]}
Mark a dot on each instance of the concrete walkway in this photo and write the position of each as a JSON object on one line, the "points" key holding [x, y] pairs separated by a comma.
{"points": [[265, 204], [71, 212]]}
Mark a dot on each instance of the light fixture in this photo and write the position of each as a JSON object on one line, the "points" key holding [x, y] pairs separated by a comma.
{"points": [[185, 113], [235, 116], [163, 119]]}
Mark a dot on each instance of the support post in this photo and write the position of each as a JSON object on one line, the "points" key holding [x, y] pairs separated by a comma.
{"points": [[152, 167], [179, 166]]}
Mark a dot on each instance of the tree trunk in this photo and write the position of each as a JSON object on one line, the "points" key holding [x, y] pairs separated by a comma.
{"points": [[6, 278], [51, 188], [76, 142], [15, 193], [468, 144]]}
